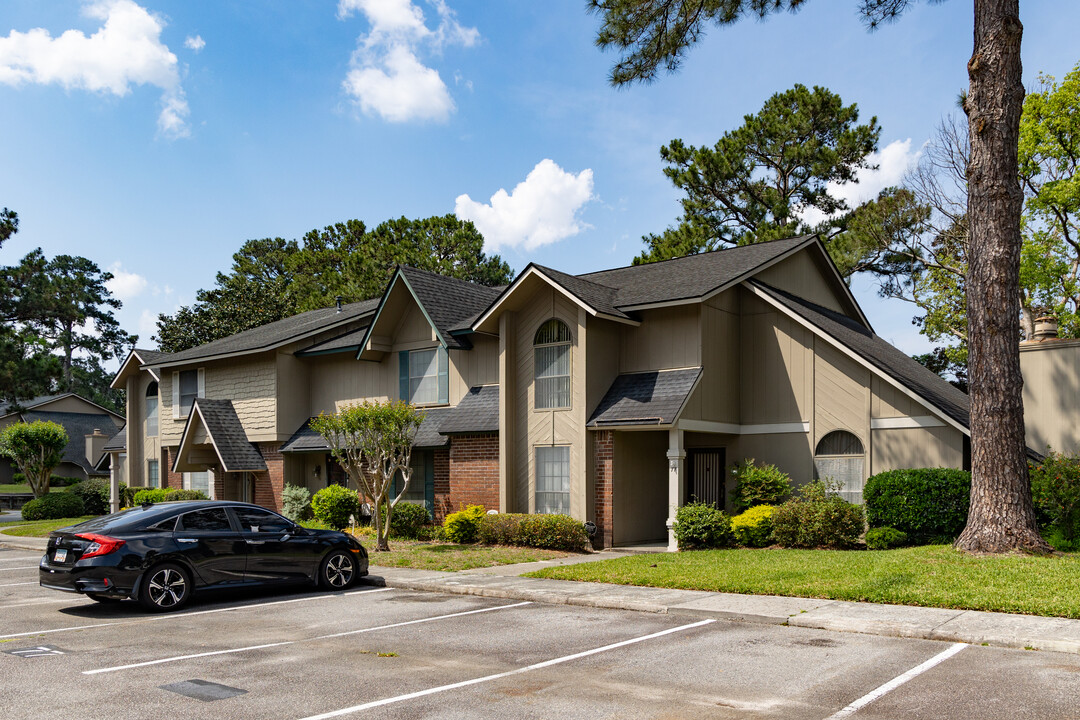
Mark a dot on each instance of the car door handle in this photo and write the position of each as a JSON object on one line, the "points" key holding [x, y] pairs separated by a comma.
{"points": [[256, 542], [186, 540]]}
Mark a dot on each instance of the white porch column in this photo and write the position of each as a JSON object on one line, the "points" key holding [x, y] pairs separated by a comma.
{"points": [[676, 456], [114, 485]]}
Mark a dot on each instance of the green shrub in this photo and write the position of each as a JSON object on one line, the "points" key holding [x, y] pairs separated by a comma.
{"points": [[883, 538], [295, 502], [753, 528], [758, 485], [53, 506], [818, 517], [1055, 489], [700, 526], [149, 495], [156, 495], [553, 532], [177, 494], [55, 480], [314, 525], [94, 493], [923, 502], [408, 519], [334, 505], [463, 526]]}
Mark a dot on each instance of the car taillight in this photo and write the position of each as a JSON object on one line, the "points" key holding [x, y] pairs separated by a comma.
{"points": [[99, 544]]}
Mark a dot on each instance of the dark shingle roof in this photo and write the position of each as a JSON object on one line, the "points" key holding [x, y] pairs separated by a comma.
{"points": [[78, 426], [117, 441], [909, 373], [688, 277], [601, 298], [307, 440], [149, 357], [228, 436], [451, 304], [646, 398], [342, 343], [273, 334], [477, 412]]}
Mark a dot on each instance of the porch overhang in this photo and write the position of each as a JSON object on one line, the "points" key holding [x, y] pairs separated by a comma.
{"points": [[213, 436], [646, 400]]}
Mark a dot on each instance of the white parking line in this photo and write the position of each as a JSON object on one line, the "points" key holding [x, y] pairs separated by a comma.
{"points": [[290, 642], [32, 582], [508, 673], [20, 559], [28, 567], [185, 614], [897, 682]]}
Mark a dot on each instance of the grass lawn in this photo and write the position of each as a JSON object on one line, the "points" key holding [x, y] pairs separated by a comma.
{"points": [[450, 556], [930, 576], [39, 528], [24, 488]]}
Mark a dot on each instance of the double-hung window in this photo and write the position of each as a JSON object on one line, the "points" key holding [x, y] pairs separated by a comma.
{"points": [[553, 479], [152, 409], [423, 376], [153, 474], [551, 355], [187, 385], [198, 481]]}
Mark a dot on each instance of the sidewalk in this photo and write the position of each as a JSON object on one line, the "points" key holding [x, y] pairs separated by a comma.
{"points": [[969, 626]]}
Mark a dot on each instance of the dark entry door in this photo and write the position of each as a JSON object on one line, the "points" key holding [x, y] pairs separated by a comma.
{"points": [[706, 480]]}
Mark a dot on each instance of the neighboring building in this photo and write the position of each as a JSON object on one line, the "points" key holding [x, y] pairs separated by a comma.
{"points": [[89, 427], [1051, 368], [612, 396]]}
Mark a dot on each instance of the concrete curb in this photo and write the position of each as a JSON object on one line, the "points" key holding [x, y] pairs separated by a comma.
{"points": [[942, 624], [21, 543]]}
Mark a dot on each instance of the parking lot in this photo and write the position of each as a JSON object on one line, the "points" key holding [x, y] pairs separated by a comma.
{"points": [[378, 652]]}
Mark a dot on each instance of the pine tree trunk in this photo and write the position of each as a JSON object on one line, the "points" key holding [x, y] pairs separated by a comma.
{"points": [[1002, 517]]}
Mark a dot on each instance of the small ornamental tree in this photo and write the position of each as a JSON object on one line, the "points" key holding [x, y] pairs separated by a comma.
{"points": [[373, 442], [36, 449]]}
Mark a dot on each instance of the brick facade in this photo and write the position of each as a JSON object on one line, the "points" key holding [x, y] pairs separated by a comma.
{"points": [[270, 484], [170, 479], [474, 471], [604, 464], [443, 506]]}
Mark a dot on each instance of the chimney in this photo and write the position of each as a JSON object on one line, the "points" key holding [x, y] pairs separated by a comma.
{"points": [[1046, 328], [95, 446], [339, 303]]}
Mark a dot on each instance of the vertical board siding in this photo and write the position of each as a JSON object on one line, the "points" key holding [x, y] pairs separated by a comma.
{"points": [[889, 402], [917, 447], [339, 380], [667, 338], [842, 393], [640, 493], [777, 362], [1051, 386], [803, 275]]}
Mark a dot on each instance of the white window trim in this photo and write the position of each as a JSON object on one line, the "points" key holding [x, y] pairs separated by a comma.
{"points": [[200, 391]]}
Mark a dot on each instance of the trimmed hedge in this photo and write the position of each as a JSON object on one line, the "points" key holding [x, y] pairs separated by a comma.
{"points": [[464, 525], [53, 506], [925, 503], [553, 532], [334, 504], [753, 528], [883, 538], [699, 526], [408, 520], [817, 517], [156, 495]]}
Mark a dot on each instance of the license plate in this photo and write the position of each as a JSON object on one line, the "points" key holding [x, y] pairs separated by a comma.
{"points": [[60, 555]]}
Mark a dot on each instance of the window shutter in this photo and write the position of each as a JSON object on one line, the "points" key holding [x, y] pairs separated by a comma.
{"points": [[202, 383], [444, 376], [176, 395], [403, 375]]}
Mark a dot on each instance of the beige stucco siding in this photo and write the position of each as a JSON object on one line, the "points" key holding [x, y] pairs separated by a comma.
{"points": [[805, 275], [917, 447], [1051, 389], [777, 364], [667, 338], [641, 486], [536, 428]]}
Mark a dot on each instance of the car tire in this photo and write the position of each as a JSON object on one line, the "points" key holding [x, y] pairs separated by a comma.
{"points": [[338, 570], [164, 588], [103, 598]]}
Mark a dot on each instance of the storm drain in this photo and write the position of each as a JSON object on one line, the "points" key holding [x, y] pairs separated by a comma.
{"points": [[203, 690], [39, 651]]}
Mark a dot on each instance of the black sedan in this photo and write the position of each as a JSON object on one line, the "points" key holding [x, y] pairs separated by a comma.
{"points": [[160, 554]]}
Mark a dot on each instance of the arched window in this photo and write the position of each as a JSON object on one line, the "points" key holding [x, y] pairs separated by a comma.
{"points": [[551, 353], [839, 455], [152, 410]]}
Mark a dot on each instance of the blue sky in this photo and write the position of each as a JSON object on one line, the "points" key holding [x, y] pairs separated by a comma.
{"points": [[155, 136]]}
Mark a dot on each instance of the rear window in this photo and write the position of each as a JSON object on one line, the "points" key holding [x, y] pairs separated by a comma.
{"points": [[130, 518], [209, 520]]}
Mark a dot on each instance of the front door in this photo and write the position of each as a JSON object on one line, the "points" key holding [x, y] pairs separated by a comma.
{"points": [[706, 477]]}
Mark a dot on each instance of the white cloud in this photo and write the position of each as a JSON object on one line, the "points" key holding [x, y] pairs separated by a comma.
{"points": [[194, 43], [542, 209], [894, 160], [125, 285], [147, 325], [126, 50], [386, 76]]}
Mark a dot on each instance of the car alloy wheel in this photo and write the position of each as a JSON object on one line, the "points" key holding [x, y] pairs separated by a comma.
{"points": [[166, 588], [338, 571]]}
